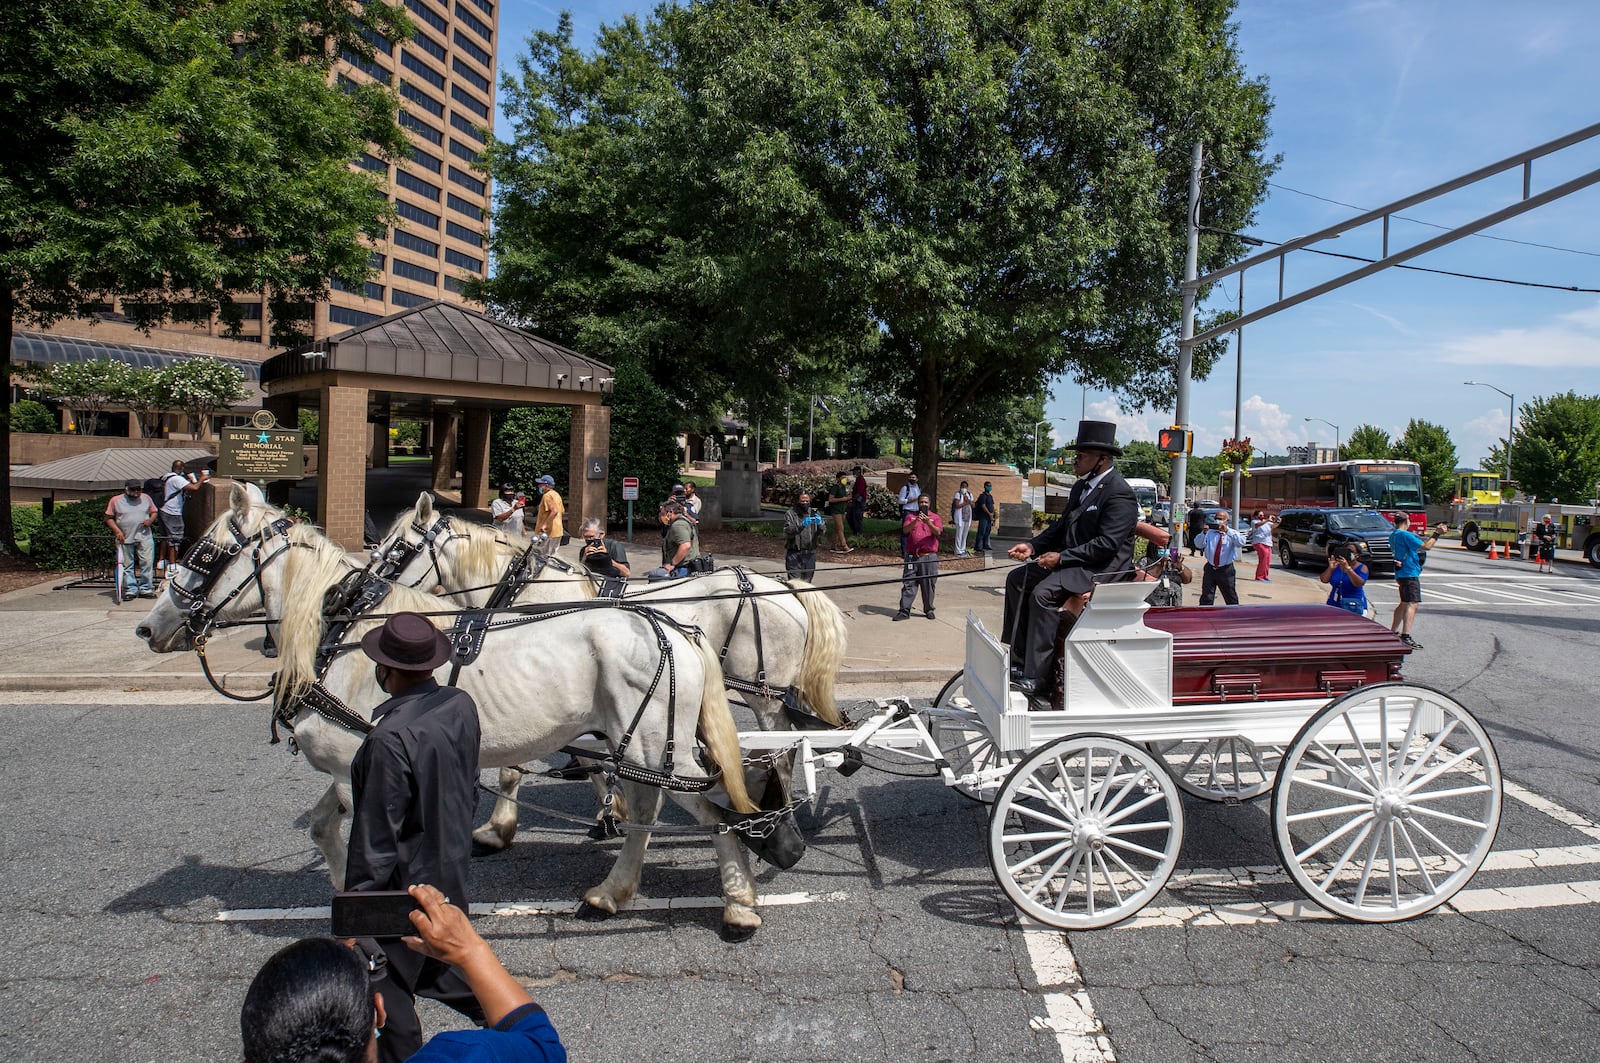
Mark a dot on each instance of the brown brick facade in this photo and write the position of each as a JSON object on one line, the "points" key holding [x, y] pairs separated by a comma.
{"points": [[343, 446], [590, 438]]}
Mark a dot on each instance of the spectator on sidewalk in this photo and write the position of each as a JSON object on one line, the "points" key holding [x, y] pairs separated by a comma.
{"points": [[1194, 526], [175, 487], [604, 557], [1221, 547], [858, 501], [838, 503], [509, 511], [921, 533], [130, 516], [985, 515], [908, 506], [680, 542], [1346, 578], [1260, 538], [802, 527], [551, 514], [961, 515]]}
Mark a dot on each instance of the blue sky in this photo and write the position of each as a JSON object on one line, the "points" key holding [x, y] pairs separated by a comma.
{"points": [[1374, 101]]}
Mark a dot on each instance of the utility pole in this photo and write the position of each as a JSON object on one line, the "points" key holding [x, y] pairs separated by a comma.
{"points": [[1191, 273]]}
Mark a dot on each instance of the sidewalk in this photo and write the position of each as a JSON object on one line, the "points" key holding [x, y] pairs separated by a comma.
{"points": [[77, 639]]}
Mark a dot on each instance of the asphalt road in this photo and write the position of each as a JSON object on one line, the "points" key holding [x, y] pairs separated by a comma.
{"points": [[130, 827]]}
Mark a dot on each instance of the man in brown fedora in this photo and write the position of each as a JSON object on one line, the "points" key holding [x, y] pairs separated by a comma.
{"points": [[415, 783], [1093, 537]]}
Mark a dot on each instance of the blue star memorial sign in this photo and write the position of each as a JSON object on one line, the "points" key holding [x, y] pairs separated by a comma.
{"points": [[263, 438]]}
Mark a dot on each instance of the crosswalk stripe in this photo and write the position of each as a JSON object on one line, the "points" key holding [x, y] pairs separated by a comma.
{"points": [[1514, 596]]}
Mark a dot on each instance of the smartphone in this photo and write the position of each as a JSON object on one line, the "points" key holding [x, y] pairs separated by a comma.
{"points": [[373, 914]]}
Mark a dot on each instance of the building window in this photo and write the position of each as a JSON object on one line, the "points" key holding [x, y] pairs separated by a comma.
{"points": [[426, 161], [475, 79], [375, 71], [468, 45], [369, 161], [191, 313], [421, 99], [248, 311], [413, 183], [465, 125], [368, 290], [451, 284], [464, 151], [462, 206], [474, 24], [428, 15], [482, 5], [383, 44], [456, 258], [343, 315], [415, 243], [422, 70], [471, 102], [375, 261], [428, 44], [413, 272], [467, 181], [402, 298], [421, 128], [415, 213], [464, 234]]}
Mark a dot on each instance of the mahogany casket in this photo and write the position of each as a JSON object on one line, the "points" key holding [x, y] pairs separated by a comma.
{"points": [[1271, 652]]}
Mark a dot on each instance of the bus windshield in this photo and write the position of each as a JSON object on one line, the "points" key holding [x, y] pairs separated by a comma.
{"points": [[1385, 489]]}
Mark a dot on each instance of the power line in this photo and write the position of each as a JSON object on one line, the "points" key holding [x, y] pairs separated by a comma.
{"points": [[1436, 225]]}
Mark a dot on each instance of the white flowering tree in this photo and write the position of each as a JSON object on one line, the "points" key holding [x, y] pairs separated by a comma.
{"points": [[200, 387]]}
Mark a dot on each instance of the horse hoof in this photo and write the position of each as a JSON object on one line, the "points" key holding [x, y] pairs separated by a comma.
{"points": [[591, 914], [482, 848], [735, 934]]}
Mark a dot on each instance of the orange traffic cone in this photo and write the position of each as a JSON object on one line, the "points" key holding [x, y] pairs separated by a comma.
{"points": [[1494, 554]]}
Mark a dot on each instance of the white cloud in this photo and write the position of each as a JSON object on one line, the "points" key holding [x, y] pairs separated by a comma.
{"points": [[1571, 341], [1130, 426], [1388, 319]]}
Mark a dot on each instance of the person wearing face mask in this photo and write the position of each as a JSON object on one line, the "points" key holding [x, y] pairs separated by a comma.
{"points": [[414, 781], [129, 516], [921, 533], [984, 509], [908, 506], [1346, 578], [802, 527]]}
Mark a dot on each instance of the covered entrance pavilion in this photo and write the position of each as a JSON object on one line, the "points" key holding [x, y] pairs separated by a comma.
{"points": [[448, 367]]}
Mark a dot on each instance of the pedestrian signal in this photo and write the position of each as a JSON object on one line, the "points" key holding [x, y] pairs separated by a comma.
{"points": [[1175, 440]]}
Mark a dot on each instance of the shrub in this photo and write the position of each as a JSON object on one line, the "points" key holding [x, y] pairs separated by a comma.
{"points": [[529, 442], [25, 522], [643, 424], [824, 470], [73, 536], [30, 416], [310, 426]]}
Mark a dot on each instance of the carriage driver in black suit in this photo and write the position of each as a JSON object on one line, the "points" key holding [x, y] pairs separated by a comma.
{"points": [[1093, 536]]}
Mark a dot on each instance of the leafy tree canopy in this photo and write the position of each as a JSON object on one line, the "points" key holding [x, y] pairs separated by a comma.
{"points": [[171, 152], [1429, 446], [1557, 449], [1367, 441], [964, 199]]}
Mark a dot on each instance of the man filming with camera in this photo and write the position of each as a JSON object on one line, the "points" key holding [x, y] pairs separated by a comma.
{"points": [[602, 556]]}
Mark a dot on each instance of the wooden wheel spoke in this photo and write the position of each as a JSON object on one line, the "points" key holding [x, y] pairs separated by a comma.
{"points": [[1441, 769], [1043, 816], [1440, 843], [1366, 869], [1328, 787], [1323, 813], [1459, 791], [1336, 761], [1134, 848], [1049, 876], [1137, 828], [1146, 802], [1361, 747], [1427, 753], [1460, 821], [1329, 839], [1344, 858], [1066, 887], [1416, 858], [1137, 876], [1107, 782], [1111, 882]]}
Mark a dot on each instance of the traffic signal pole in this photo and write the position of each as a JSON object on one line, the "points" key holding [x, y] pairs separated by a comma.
{"points": [[1180, 412]]}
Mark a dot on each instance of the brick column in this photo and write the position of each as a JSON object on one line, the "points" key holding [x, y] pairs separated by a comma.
{"points": [[475, 488], [342, 459], [444, 448], [591, 438], [380, 444]]}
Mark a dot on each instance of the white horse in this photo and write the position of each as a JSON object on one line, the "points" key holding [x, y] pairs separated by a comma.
{"points": [[775, 638], [253, 561]]}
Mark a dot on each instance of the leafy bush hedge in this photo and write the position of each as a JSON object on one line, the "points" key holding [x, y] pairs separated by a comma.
{"points": [[643, 424], [73, 536], [30, 416], [881, 502], [25, 522], [827, 470], [529, 442]]}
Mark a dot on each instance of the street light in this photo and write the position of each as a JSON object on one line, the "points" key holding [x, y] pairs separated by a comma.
{"points": [[1036, 424], [1511, 422], [1330, 424]]}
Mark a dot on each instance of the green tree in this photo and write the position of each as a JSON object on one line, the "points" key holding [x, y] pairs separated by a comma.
{"points": [[173, 152], [1557, 448], [200, 387], [142, 392], [1141, 458], [642, 445], [310, 422], [86, 388], [528, 442], [1367, 441], [1429, 446], [964, 199], [30, 416]]}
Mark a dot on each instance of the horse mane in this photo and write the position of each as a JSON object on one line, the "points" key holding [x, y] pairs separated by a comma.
{"points": [[483, 555], [316, 564]]}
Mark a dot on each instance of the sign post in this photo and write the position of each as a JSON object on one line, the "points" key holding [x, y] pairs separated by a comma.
{"points": [[630, 495]]}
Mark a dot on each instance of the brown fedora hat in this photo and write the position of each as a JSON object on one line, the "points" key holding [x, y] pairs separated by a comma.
{"points": [[407, 641]]}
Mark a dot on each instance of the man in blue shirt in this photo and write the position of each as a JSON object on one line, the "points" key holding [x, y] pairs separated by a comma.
{"points": [[1220, 546], [1408, 549]]}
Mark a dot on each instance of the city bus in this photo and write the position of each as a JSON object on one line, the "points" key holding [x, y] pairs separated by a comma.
{"points": [[1476, 487], [1147, 492], [1393, 488]]}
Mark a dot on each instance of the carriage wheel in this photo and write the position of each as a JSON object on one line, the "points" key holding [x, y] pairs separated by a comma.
{"points": [[963, 740], [1220, 769], [1085, 831], [1387, 802]]}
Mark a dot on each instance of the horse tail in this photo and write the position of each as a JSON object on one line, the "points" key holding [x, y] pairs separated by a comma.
{"points": [[822, 655], [717, 730]]}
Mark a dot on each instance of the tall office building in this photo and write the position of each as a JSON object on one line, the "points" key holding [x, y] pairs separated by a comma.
{"points": [[445, 78]]}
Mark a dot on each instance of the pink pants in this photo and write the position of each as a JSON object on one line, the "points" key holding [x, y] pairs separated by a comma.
{"points": [[1263, 561]]}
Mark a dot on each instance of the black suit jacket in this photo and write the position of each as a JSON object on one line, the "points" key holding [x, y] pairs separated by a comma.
{"points": [[1095, 534]]}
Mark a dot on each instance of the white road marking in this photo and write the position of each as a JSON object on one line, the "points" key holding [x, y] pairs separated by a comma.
{"points": [[1530, 599], [1566, 816], [1069, 1014], [512, 908], [1503, 899]]}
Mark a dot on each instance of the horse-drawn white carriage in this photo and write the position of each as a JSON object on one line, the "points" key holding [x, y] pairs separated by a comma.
{"points": [[1385, 798]]}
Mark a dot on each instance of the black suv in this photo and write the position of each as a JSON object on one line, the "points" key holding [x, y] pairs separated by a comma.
{"points": [[1307, 534]]}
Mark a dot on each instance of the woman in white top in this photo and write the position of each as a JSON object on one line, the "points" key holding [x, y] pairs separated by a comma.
{"points": [[961, 513]]}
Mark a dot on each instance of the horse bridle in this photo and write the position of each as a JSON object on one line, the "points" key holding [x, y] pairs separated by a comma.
{"points": [[208, 559], [388, 564]]}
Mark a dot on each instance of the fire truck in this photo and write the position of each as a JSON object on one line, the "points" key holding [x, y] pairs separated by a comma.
{"points": [[1508, 524]]}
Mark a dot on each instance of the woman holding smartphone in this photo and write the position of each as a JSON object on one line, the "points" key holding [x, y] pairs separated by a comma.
{"points": [[1346, 578]]}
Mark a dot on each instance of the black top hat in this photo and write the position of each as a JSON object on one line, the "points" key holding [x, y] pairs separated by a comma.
{"points": [[409, 642], [1097, 435]]}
